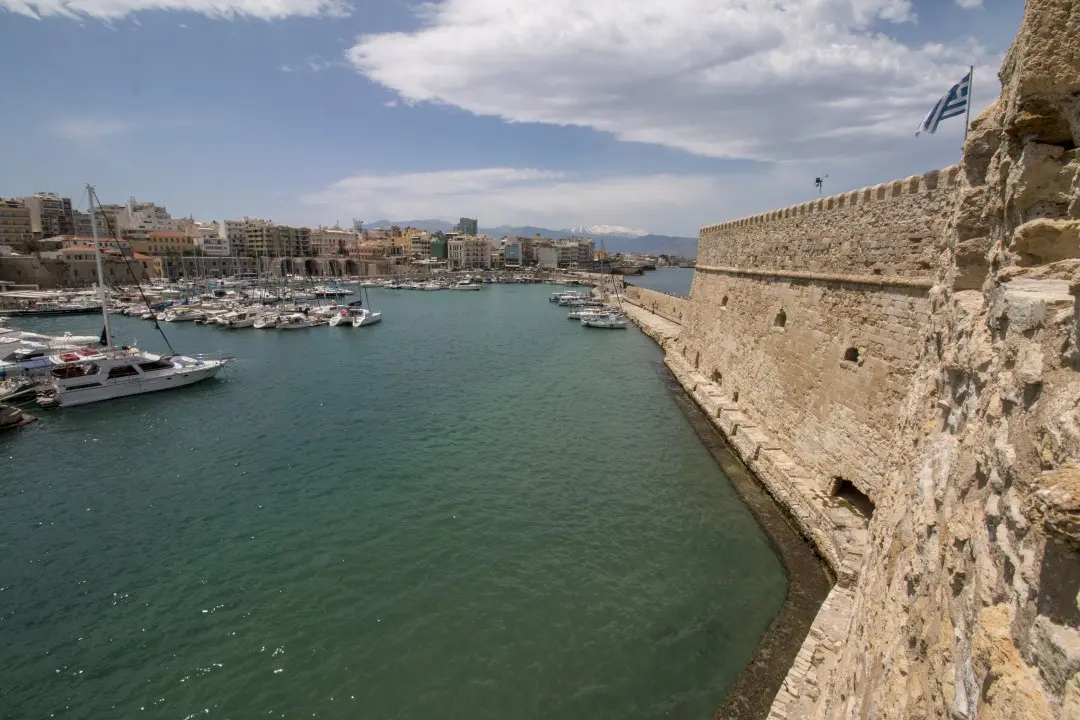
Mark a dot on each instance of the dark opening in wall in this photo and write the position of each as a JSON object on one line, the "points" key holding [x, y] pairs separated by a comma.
{"points": [[723, 301], [697, 359], [852, 354], [855, 499], [781, 319], [735, 396], [717, 377]]}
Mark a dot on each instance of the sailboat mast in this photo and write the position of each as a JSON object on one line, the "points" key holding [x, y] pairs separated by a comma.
{"points": [[100, 270]]}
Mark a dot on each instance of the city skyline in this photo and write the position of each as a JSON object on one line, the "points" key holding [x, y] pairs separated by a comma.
{"points": [[659, 116]]}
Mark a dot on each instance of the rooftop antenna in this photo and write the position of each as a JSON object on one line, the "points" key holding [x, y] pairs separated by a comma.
{"points": [[819, 183]]}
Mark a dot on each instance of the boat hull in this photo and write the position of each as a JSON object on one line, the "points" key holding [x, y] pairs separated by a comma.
{"points": [[84, 396], [49, 313]]}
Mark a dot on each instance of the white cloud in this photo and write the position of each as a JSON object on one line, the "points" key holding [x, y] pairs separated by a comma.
{"points": [[88, 130], [390, 103], [969, 4], [761, 79], [116, 9], [285, 69]]}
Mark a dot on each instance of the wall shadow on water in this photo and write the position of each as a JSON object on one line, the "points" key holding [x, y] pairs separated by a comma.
{"points": [[808, 579]]}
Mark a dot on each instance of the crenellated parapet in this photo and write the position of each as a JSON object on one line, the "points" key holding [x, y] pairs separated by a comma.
{"points": [[882, 192], [892, 231]]}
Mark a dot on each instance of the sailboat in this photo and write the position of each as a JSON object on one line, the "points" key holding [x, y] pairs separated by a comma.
{"points": [[92, 375], [613, 319], [356, 314]]}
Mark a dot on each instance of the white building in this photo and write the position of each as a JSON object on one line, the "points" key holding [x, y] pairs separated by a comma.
{"points": [[468, 253], [233, 233], [138, 219], [210, 238]]}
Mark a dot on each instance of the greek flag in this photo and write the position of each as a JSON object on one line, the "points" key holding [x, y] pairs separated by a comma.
{"points": [[954, 102]]}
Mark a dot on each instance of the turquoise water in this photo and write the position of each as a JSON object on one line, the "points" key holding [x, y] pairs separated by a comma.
{"points": [[476, 509], [674, 281]]}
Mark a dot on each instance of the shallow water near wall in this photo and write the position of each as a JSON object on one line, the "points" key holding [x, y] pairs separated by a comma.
{"points": [[673, 281], [475, 509]]}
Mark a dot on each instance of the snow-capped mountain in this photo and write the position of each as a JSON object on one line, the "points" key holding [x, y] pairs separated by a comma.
{"points": [[606, 230]]}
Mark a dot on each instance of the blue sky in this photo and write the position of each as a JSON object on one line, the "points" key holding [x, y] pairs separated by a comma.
{"points": [[663, 115]]}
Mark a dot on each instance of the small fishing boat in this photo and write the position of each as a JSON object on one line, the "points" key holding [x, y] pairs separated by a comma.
{"points": [[606, 321]]}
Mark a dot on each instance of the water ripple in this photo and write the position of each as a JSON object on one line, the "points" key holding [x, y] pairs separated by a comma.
{"points": [[474, 510]]}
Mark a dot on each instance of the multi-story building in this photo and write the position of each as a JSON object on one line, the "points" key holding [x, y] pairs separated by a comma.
{"points": [[585, 249], [15, 228], [327, 241], [566, 254], [136, 220], [234, 235], [208, 238], [263, 238], [164, 242], [370, 251], [50, 215], [468, 253], [547, 256], [108, 224], [419, 244], [496, 259], [468, 226]]}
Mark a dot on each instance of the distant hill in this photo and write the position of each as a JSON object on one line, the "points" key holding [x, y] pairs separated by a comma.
{"points": [[645, 244]]}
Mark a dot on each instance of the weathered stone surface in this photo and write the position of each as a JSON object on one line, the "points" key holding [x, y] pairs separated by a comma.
{"points": [[919, 340]]}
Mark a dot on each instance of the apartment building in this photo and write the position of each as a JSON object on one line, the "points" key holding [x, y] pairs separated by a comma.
{"points": [[50, 214], [327, 241], [15, 228], [263, 238], [468, 253], [209, 238], [468, 226], [136, 220]]}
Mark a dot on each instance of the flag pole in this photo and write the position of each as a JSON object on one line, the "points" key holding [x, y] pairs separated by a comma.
{"points": [[971, 88]]}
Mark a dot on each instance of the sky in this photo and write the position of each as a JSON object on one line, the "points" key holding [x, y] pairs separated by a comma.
{"points": [[659, 115]]}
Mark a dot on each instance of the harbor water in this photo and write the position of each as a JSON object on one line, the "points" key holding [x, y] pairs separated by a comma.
{"points": [[476, 509], [673, 281]]}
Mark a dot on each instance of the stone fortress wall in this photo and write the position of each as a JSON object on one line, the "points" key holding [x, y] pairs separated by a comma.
{"points": [[666, 306], [809, 319], [921, 341]]}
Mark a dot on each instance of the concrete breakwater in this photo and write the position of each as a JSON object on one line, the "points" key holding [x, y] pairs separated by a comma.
{"points": [[898, 366]]}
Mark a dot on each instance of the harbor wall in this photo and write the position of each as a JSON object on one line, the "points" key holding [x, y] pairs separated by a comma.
{"points": [[666, 306], [808, 319], [920, 340]]}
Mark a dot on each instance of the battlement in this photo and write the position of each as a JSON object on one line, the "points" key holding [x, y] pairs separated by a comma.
{"points": [[889, 231], [914, 185]]}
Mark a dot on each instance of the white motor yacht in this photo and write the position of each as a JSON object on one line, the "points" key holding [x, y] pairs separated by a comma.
{"points": [[90, 375], [182, 314], [242, 319], [295, 321], [464, 285]]}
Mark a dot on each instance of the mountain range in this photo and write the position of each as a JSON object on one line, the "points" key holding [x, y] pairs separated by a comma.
{"points": [[614, 237]]}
